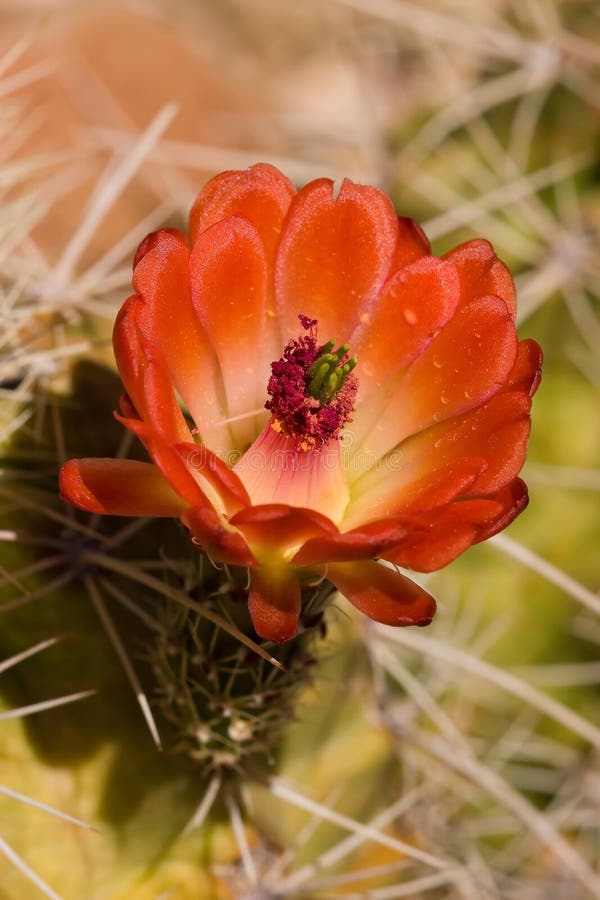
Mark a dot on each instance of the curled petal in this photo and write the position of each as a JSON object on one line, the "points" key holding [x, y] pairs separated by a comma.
{"points": [[452, 530], [366, 542], [333, 257], [514, 499], [260, 194], [199, 459], [217, 538], [481, 273], [168, 460], [274, 602], [277, 528], [459, 525], [382, 594], [118, 487], [526, 373]]}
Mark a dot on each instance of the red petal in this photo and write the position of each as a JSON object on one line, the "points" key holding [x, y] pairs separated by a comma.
{"points": [[382, 594], [222, 543], [167, 321], [260, 194], [409, 311], [334, 256], [274, 602], [229, 292], [275, 526], [118, 487], [482, 273], [513, 499], [366, 542]]}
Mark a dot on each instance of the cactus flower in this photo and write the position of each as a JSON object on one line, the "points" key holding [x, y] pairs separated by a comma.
{"points": [[316, 393]]}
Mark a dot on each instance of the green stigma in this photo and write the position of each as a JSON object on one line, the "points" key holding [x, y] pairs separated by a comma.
{"points": [[327, 375]]}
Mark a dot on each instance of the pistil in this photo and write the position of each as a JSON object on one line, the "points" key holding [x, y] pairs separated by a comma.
{"points": [[312, 389]]}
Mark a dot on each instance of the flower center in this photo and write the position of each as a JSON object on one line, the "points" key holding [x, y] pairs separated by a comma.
{"points": [[312, 389]]}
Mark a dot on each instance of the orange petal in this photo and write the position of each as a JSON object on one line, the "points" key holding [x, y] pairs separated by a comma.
{"points": [[409, 311], [127, 345], [206, 464], [260, 194], [382, 594], [400, 490], [168, 460], [118, 487], [481, 273], [334, 256], [366, 542], [526, 373], [215, 537], [274, 602], [167, 321], [411, 244], [496, 434], [145, 376], [277, 528], [229, 291], [162, 412], [464, 365], [459, 525]]}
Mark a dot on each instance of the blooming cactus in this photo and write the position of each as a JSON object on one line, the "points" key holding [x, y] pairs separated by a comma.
{"points": [[317, 392]]}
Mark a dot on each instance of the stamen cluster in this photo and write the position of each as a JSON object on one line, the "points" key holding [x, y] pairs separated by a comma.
{"points": [[312, 389]]}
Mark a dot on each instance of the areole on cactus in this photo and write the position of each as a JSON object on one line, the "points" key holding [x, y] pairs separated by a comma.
{"points": [[346, 397]]}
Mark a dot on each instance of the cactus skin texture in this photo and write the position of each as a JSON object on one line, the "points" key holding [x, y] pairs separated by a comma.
{"points": [[218, 706]]}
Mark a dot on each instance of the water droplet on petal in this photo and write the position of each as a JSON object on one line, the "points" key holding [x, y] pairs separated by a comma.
{"points": [[410, 316], [437, 362], [444, 398], [467, 395]]}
